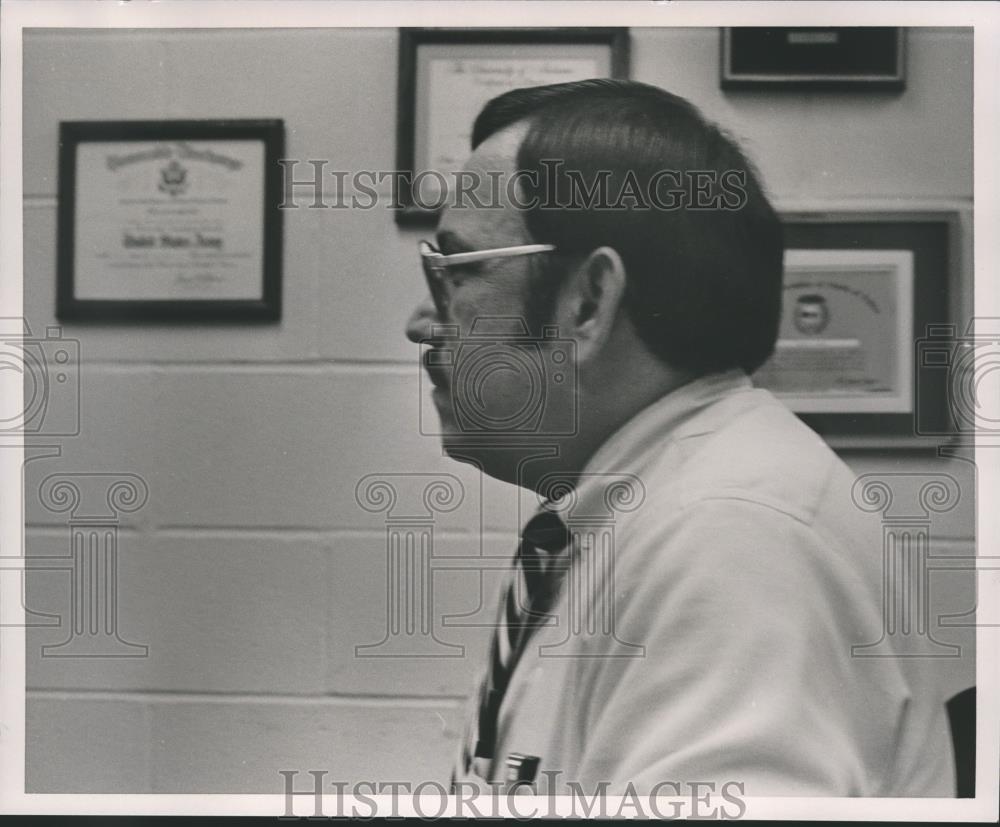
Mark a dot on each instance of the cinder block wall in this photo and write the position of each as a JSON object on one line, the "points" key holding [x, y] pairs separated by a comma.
{"points": [[251, 572]]}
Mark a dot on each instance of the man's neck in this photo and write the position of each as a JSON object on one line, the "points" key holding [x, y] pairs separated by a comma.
{"points": [[602, 415]]}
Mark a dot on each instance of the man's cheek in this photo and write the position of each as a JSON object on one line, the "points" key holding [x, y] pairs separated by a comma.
{"points": [[496, 387]]}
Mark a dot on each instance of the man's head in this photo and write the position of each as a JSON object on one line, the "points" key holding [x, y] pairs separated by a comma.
{"points": [[667, 256]]}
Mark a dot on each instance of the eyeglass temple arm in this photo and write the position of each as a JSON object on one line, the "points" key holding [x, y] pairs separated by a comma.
{"points": [[483, 255]]}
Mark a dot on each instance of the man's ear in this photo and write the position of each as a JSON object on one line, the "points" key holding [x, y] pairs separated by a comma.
{"points": [[592, 301]]}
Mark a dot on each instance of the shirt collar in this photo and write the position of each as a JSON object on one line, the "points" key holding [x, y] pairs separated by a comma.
{"points": [[671, 416]]}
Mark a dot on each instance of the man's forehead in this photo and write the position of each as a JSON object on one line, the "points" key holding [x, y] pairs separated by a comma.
{"points": [[490, 170]]}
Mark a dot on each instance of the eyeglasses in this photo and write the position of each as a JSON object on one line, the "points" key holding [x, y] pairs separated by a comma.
{"points": [[436, 265]]}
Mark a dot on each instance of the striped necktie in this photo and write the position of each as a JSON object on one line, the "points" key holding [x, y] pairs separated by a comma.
{"points": [[524, 606]]}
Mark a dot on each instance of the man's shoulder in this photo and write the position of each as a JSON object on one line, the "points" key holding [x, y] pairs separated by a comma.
{"points": [[750, 474], [752, 504], [749, 448]]}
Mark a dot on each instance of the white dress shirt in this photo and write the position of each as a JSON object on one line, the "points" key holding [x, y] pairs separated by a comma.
{"points": [[705, 627]]}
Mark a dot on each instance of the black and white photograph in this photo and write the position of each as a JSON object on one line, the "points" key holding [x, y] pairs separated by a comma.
{"points": [[505, 409]]}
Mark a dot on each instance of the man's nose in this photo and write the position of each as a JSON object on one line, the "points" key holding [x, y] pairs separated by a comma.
{"points": [[418, 326]]}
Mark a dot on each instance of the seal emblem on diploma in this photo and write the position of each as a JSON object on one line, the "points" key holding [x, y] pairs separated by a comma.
{"points": [[811, 314], [173, 178]]}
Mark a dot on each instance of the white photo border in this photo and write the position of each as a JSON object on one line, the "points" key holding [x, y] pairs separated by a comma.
{"points": [[18, 15]]}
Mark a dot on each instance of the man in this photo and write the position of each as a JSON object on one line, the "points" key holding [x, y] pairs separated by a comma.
{"points": [[685, 606]]}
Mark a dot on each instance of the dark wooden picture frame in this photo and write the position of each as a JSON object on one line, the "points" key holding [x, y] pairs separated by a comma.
{"points": [[932, 239], [850, 58], [408, 211], [265, 308]]}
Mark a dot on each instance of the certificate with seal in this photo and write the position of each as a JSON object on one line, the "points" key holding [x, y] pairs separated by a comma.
{"points": [[845, 342], [861, 290], [170, 220]]}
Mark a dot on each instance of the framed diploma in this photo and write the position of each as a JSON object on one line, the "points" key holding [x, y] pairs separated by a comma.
{"points": [[845, 341], [859, 292], [814, 57], [170, 220], [445, 77]]}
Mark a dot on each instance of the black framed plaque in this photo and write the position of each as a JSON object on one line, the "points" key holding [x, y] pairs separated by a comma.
{"points": [[445, 77], [170, 220], [814, 57], [861, 293]]}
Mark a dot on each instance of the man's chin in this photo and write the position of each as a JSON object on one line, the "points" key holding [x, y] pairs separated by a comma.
{"points": [[479, 447], [502, 458]]}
